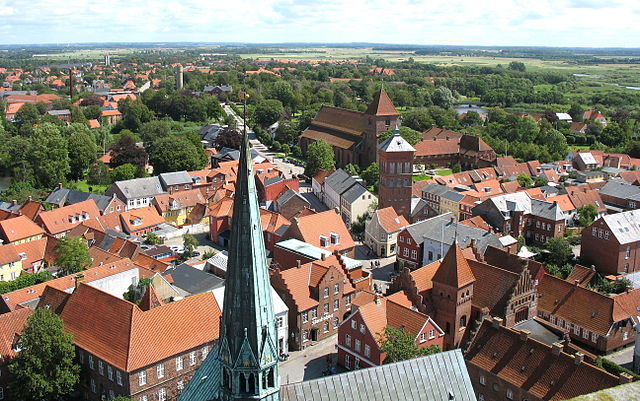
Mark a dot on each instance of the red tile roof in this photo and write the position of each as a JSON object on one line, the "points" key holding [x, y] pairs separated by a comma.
{"points": [[390, 221], [60, 220], [381, 105], [12, 323], [310, 228], [129, 338], [8, 254], [19, 228], [454, 270], [140, 219]]}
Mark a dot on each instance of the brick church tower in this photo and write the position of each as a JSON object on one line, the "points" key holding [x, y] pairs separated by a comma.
{"points": [[381, 115], [451, 296], [395, 156]]}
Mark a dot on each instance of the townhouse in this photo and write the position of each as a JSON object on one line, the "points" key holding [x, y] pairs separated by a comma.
{"points": [[136, 193], [182, 207], [325, 230], [381, 231], [58, 222], [141, 221], [348, 195], [61, 197], [19, 230]]}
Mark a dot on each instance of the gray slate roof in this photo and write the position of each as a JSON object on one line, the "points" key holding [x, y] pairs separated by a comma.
{"points": [[339, 181], [192, 280], [440, 228], [287, 196], [396, 143], [619, 189], [453, 196], [140, 187], [435, 189], [355, 192], [65, 196], [437, 377], [175, 178], [546, 210]]}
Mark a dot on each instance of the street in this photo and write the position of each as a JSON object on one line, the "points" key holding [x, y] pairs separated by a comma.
{"points": [[309, 363]]}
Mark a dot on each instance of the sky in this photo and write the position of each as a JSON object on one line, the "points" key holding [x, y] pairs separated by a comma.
{"points": [[583, 23]]}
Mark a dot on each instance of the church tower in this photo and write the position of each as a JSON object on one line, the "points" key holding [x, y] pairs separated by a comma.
{"points": [[381, 115], [451, 296], [395, 156], [248, 352]]}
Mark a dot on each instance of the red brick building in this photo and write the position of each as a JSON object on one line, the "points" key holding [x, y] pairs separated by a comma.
{"points": [[318, 295], [395, 156], [612, 243], [505, 363], [442, 147], [359, 336]]}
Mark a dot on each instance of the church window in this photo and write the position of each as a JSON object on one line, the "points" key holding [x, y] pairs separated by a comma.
{"points": [[271, 378], [252, 383]]}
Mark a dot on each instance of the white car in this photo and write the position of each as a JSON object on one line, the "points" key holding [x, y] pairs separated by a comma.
{"points": [[177, 249]]}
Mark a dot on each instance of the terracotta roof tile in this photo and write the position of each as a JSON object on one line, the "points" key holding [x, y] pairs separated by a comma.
{"points": [[310, 228], [8, 254], [381, 105], [138, 219], [63, 219], [390, 221], [12, 323], [454, 270]]}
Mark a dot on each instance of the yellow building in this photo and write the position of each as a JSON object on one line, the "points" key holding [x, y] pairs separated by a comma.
{"points": [[10, 263], [450, 202], [183, 207], [18, 230]]}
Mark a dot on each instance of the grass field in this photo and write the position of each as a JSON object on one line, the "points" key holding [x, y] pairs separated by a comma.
{"points": [[84, 187], [421, 177], [444, 171]]}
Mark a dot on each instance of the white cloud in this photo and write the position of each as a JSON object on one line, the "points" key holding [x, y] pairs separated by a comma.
{"points": [[499, 22]]}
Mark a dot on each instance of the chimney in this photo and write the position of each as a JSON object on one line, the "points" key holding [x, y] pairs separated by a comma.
{"points": [[576, 282], [59, 185], [376, 299], [625, 378], [323, 256], [524, 335], [78, 279], [30, 198], [578, 358], [593, 268], [556, 348], [337, 209], [452, 220], [298, 265], [496, 322]]}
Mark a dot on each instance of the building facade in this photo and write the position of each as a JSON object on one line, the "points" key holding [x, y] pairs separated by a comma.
{"points": [[395, 157]]}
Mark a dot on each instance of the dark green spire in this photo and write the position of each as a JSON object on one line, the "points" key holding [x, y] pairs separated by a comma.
{"points": [[248, 352]]}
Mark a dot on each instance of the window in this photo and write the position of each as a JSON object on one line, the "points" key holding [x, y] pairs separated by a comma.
{"points": [[347, 340], [162, 394], [347, 300], [280, 321], [119, 377], [305, 335], [142, 378], [336, 304], [180, 385], [354, 325], [594, 232], [324, 241], [576, 329], [160, 370], [483, 380], [463, 321], [305, 317], [356, 364], [606, 234], [414, 254], [325, 327], [405, 252], [480, 397], [326, 309], [336, 288], [347, 361], [401, 239], [110, 373], [432, 333], [627, 253], [1, 393], [509, 394], [423, 337], [409, 241], [625, 335], [80, 356], [430, 255], [192, 358], [314, 313], [335, 238], [101, 368], [357, 345], [144, 398], [537, 224], [585, 334], [325, 292], [336, 322], [205, 352], [93, 385], [367, 350], [594, 337], [179, 363], [362, 328]]}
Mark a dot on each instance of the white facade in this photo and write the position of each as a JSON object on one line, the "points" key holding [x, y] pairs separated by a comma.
{"points": [[117, 284]]}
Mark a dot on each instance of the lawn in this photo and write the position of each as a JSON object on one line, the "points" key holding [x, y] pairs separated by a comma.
{"points": [[84, 187], [578, 147], [421, 177], [444, 171]]}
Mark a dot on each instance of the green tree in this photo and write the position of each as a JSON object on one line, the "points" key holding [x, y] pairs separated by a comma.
{"points": [[50, 157], [319, 157], [25, 280], [190, 243], [122, 398], [27, 115], [124, 172], [135, 292], [352, 169], [175, 153], [525, 180], [517, 66], [633, 149], [418, 119], [410, 135], [371, 175], [127, 151], [99, 174], [268, 112], [559, 251], [72, 255], [92, 112], [134, 114], [442, 97], [152, 239], [44, 369], [20, 191], [587, 214], [82, 150], [471, 118], [400, 345], [540, 181]]}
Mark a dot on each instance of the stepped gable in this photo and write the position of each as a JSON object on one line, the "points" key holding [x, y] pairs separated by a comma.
{"points": [[381, 105], [454, 270]]}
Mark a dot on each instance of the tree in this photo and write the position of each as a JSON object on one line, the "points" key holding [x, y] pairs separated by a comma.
{"points": [[92, 101], [176, 153], [456, 168], [127, 151], [410, 135], [28, 114], [525, 180], [540, 181], [190, 243], [517, 66], [587, 214], [559, 251], [371, 175], [633, 149], [99, 174], [25, 280], [471, 118], [134, 114], [442, 97], [418, 119], [124, 172], [82, 150], [152, 239], [400, 345], [319, 157], [268, 112], [72, 255], [20, 191], [44, 369], [50, 156], [135, 292], [352, 169], [228, 138]]}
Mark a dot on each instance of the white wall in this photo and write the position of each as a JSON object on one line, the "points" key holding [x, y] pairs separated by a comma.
{"points": [[117, 284]]}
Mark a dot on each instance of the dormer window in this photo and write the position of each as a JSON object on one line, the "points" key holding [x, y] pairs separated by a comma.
{"points": [[324, 241], [335, 238]]}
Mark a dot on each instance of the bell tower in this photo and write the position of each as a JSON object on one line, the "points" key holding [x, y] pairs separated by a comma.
{"points": [[395, 156], [381, 116]]}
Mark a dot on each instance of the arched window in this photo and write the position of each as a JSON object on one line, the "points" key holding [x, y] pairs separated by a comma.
{"points": [[252, 383], [243, 383], [463, 321]]}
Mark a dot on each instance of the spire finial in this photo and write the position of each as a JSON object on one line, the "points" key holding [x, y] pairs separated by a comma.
{"points": [[396, 131]]}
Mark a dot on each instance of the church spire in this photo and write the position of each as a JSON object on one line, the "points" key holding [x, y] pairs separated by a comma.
{"points": [[248, 340]]}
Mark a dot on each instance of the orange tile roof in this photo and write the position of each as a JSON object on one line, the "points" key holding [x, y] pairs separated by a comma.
{"points": [[65, 218], [19, 228], [139, 219], [12, 323], [93, 123], [311, 227], [129, 338], [272, 221], [111, 113], [381, 105], [423, 277], [581, 274], [454, 270], [390, 221], [33, 251], [182, 199], [477, 222], [8, 254], [563, 201]]}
